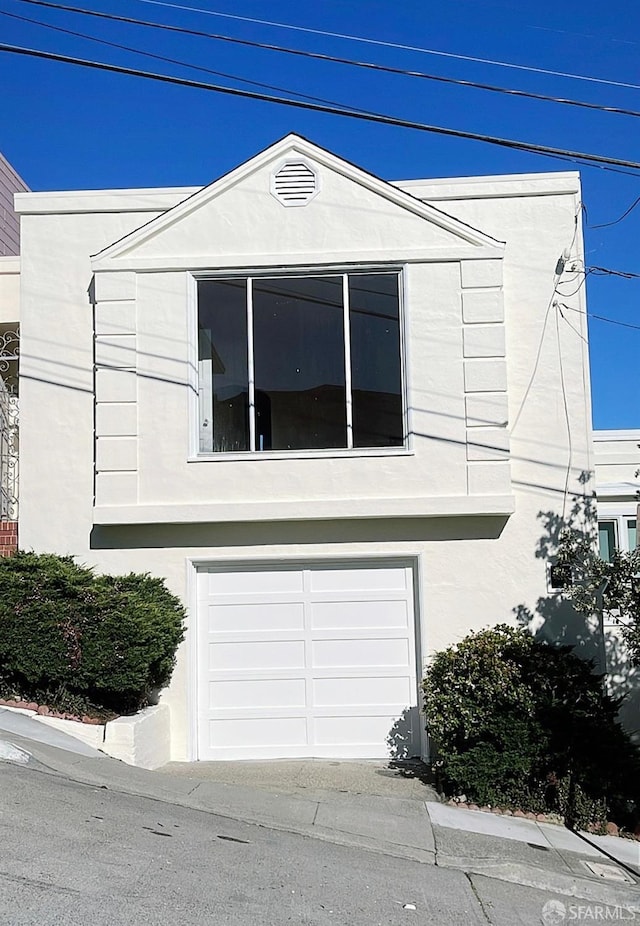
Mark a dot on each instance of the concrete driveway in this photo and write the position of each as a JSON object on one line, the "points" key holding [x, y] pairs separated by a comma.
{"points": [[386, 778]]}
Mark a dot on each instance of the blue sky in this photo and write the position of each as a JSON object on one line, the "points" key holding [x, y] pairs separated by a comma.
{"points": [[68, 128]]}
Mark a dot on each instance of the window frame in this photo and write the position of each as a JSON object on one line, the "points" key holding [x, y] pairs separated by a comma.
{"points": [[620, 520], [195, 455]]}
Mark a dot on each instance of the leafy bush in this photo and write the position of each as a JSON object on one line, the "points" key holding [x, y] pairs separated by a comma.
{"points": [[69, 637], [520, 722]]}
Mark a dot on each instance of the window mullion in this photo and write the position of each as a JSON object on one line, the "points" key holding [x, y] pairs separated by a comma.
{"points": [[250, 366], [347, 359], [403, 360]]}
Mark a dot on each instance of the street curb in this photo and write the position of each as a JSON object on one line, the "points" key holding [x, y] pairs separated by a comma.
{"points": [[551, 881], [515, 873], [322, 834]]}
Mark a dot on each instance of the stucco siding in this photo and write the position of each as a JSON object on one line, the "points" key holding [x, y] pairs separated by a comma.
{"points": [[546, 438], [57, 376]]}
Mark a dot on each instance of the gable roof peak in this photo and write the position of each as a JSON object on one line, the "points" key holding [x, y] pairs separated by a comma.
{"points": [[302, 146]]}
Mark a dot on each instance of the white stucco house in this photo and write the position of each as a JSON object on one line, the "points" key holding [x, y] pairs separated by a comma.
{"points": [[328, 409]]}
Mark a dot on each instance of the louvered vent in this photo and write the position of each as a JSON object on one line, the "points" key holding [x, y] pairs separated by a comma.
{"points": [[294, 183]]}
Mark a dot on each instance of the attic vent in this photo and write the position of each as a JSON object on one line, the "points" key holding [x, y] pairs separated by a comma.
{"points": [[295, 183]]}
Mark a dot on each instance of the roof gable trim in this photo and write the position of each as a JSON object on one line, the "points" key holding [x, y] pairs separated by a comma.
{"points": [[292, 145]]}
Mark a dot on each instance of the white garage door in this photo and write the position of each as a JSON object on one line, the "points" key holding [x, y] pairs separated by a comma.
{"points": [[306, 661]]}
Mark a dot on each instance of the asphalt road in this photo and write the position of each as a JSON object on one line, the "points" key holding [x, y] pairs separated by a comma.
{"points": [[75, 855]]}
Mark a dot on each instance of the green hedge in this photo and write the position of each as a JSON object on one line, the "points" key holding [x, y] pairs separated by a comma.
{"points": [[78, 639], [519, 722]]}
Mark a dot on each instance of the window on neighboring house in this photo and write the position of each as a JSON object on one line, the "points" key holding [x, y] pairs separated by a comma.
{"points": [[619, 533], [607, 539], [300, 362]]}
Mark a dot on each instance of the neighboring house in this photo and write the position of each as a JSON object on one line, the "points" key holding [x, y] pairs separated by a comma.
{"points": [[328, 409], [10, 183], [617, 461]]}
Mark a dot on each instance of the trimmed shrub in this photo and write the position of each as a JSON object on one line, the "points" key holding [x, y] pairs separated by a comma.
{"points": [[519, 722], [70, 638]]}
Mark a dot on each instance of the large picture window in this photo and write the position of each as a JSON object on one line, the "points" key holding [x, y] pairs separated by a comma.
{"points": [[300, 363]]}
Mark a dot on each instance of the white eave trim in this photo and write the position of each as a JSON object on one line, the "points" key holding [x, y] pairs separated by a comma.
{"points": [[617, 490], [10, 264], [304, 510], [100, 201], [501, 186], [632, 434]]}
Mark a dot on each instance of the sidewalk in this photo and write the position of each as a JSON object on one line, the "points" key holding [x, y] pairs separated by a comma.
{"points": [[360, 804]]}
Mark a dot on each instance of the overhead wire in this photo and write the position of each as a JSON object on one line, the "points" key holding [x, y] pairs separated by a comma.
{"points": [[536, 362], [603, 161], [623, 216], [575, 291], [329, 58], [605, 271], [573, 328], [148, 54], [616, 221], [596, 271], [385, 44], [601, 318], [556, 279]]}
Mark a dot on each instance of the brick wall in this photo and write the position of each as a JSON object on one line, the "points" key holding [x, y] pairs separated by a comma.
{"points": [[8, 537]]}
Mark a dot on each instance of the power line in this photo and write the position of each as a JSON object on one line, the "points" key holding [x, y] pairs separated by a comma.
{"points": [[148, 54], [536, 362], [594, 271], [569, 282], [600, 318], [607, 163], [623, 216], [605, 271], [323, 57], [398, 45], [552, 303], [573, 328], [584, 35]]}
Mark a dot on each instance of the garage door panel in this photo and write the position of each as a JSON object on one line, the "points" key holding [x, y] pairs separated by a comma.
{"points": [[258, 636], [270, 693], [255, 616], [361, 691], [363, 579], [352, 731], [244, 582], [263, 731], [277, 654], [360, 653], [338, 672], [265, 713], [347, 615]]}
